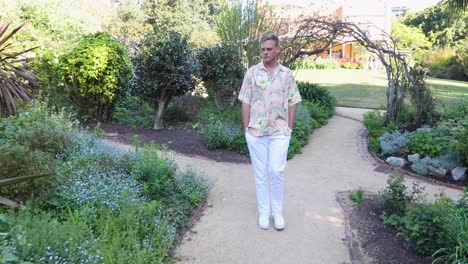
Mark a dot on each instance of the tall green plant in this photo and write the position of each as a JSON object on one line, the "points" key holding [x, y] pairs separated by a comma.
{"points": [[165, 67], [16, 77], [222, 72], [97, 72]]}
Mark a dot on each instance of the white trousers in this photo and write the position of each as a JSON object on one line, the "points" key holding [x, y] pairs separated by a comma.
{"points": [[268, 155]]}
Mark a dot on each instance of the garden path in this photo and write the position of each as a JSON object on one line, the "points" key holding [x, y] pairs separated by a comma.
{"points": [[227, 232], [333, 161]]}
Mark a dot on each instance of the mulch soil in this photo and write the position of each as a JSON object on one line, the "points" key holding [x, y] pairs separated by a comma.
{"points": [[380, 244], [180, 139]]}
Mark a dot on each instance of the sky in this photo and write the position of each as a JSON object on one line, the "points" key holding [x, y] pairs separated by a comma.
{"points": [[414, 5]]}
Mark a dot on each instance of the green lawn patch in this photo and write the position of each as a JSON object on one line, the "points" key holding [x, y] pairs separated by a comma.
{"points": [[367, 89]]}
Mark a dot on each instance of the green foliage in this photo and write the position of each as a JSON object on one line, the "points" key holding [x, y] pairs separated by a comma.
{"points": [[442, 63], [396, 199], [191, 19], [319, 64], [439, 26], [134, 112], [221, 72], [374, 145], [455, 236], [165, 67], [320, 114], [221, 133], [428, 142], [16, 77], [53, 23], [242, 23], [312, 92], [410, 38], [192, 187], [374, 122], [303, 127], [357, 196], [97, 73], [19, 161], [155, 172], [128, 22], [438, 229], [38, 237]]}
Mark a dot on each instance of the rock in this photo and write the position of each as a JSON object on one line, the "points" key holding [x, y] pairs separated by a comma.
{"points": [[438, 172], [395, 161], [414, 157], [459, 173]]}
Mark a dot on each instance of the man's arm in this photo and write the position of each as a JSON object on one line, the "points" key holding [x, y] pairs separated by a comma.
{"points": [[245, 116], [291, 116]]}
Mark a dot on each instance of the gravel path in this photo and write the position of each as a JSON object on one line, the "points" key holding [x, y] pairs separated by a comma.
{"points": [[333, 161]]}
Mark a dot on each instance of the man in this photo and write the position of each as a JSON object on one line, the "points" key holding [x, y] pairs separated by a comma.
{"points": [[269, 94]]}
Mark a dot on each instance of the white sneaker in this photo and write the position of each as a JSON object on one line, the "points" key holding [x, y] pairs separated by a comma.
{"points": [[264, 222], [279, 221]]}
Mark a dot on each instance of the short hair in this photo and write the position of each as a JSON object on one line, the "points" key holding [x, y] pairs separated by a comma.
{"points": [[270, 36]]}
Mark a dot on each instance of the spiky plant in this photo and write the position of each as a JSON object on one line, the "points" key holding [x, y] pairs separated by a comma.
{"points": [[16, 77]]}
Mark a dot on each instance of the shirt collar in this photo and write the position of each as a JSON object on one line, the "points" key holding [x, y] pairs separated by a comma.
{"points": [[261, 66]]}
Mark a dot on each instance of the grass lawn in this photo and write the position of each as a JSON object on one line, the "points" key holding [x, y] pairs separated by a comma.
{"points": [[366, 89]]}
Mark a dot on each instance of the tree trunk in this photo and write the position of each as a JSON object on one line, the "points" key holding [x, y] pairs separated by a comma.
{"points": [[391, 96], [158, 120]]}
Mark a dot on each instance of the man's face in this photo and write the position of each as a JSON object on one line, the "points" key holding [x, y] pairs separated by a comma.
{"points": [[269, 51]]}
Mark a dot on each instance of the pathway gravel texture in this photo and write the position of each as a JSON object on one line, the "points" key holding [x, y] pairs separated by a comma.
{"points": [[227, 231]]}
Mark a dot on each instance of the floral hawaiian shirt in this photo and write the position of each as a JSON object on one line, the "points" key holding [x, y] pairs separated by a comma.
{"points": [[269, 99]]}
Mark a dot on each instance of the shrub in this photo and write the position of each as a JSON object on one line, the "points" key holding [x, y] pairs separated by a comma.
{"points": [[321, 64], [395, 199], [18, 161], [422, 225], [374, 122], [134, 112], [374, 145], [192, 187], [97, 72], [428, 142], [312, 92], [38, 237], [155, 172], [39, 128], [221, 71], [318, 113], [221, 134], [392, 142], [159, 77], [303, 127], [439, 60]]}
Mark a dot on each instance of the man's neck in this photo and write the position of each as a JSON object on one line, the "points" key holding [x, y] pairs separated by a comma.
{"points": [[272, 65]]}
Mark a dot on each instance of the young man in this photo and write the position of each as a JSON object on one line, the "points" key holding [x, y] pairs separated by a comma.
{"points": [[269, 94]]}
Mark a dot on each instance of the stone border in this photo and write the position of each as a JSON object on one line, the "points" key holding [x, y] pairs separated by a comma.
{"points": [[355, 251], [363, 149]]}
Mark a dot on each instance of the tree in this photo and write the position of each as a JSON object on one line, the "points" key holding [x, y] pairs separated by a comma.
{"points": [[189, 18], [165, 67], [242, 23], [96, 72], [410, 38], [16, 77], [457, 6], [439, 25], [222, 72]]}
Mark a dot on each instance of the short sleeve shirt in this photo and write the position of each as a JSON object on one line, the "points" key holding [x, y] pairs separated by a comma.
{"points": [[269, 99]]}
